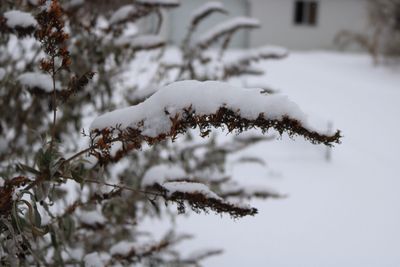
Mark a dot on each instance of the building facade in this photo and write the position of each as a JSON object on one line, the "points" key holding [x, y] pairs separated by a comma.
{"points": [[297, 25]]}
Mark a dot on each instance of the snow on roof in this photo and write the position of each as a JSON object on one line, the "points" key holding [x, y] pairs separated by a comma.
{"points": [[162, 173], [152, 116], [16, 18], [39, 80]]}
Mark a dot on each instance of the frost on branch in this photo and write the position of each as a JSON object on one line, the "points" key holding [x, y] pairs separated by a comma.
{"points": [[190, 104]]}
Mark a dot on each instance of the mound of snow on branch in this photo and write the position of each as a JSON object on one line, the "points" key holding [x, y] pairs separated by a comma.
{"points": [[16, 18], [122, 14], [159, 2], [207, 8], [37, 80], [152, 116], [190, 188], [227, 26], [162, 173]]}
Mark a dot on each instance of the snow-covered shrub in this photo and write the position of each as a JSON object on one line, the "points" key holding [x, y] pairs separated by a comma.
{"points": [[72, 197], [382, 41]]}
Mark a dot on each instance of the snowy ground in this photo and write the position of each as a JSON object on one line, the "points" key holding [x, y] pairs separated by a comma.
{"points": [[340, 213]]}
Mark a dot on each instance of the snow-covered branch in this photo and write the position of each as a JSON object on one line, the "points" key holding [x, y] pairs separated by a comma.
{"points": [[200, 198], [190, 104], [19, 22], [142, 42], [242, 64], [199, 15], [206, 10], [226, 28], [159, 3]]}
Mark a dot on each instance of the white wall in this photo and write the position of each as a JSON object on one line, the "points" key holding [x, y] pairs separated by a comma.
{"points": [[178, 20], [278, 28]]}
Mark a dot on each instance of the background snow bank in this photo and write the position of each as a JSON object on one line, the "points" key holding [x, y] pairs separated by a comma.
{"points": [[339, 213]]}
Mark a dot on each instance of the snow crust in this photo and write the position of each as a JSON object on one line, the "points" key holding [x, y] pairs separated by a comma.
{"points": [[205, 98], [37, 79], [16, 18]]}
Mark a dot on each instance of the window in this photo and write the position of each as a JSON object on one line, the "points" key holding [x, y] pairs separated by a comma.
{"points": [[397, 20], [305, 13]]}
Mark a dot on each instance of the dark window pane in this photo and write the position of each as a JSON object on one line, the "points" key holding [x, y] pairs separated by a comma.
{"points": [[299, 12], [397, 26], [312, 13]]}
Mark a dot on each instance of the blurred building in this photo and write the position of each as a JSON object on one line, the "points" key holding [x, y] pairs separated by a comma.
{"points": [[297, 25]]}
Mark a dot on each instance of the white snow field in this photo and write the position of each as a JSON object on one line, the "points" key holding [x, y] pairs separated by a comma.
{"points": [[345, 212]]}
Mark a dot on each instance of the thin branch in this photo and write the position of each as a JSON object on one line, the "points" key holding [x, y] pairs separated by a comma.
{"points": [[122, 187], [80, 153], [53, 131]]}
